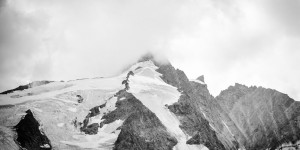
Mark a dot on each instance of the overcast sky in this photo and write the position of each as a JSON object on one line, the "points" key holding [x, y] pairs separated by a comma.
{"points": [[253, 42]]}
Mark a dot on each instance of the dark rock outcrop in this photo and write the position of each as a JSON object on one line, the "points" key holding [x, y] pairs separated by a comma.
{"points": [[93, 128], [29, 135], [27, 86], [90, 129], [79, 98], [240, 117], [141, 129], [126, 81], [19, 88]]}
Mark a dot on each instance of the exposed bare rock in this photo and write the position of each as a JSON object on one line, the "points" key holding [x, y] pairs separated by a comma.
{"points": [[27, 86], [91, 129], [79, 98], [188, 110], [141, 130], [217, 117], [29, 135], [266, 118], [201, 78], [38, 83], [241, 117]]}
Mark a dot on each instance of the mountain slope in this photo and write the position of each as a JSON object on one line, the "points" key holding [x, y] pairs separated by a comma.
{"points": [[151, 105], [267, 118], [188, 109]]}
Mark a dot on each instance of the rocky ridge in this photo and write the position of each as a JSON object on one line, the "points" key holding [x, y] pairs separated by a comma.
{"points": [[29, 135], [266, 117], [141, 128], [27, 86], [188, 109], [240, 117]]}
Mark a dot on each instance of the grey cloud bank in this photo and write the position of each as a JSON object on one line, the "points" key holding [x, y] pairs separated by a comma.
{"points": [[250, 42]]}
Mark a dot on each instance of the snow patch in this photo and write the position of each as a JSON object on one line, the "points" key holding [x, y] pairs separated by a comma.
{"points": [[37, 109], [227, 128], [95, 119], [60, 124], [110, 105], [72, 109], [45, 146], [198, 81], [51, 90], [103, 140], [21, 114]]}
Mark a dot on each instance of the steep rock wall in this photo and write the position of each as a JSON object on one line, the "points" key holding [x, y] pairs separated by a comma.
{"points": [[141, 128], [29, 135], [267, 118], [193, 121]]}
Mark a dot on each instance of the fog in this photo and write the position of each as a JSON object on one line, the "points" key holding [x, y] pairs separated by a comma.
{"points": [[250, 42]]}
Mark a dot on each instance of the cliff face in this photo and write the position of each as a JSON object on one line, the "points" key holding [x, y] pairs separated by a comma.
{"points": [[29, 134], [141, 128], [217, 117], [240, 117], [188, 109], [266, 118]]}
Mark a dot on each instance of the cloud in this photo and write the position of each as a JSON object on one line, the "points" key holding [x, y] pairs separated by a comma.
{"points": [[20, 42], [286, 13], [251, 42], [245, 42], [66, 40]]}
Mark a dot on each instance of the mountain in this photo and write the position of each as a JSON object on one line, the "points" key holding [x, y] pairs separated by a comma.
{"points": [[265, 117], [27, 86], [149, 106]]}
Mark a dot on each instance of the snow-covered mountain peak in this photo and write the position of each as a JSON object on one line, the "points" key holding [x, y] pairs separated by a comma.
{"points": [[150, 105]]}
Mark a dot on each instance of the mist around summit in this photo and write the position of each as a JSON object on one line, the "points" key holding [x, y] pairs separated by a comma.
{"points": [[150, 105], [149, 75], [255, 43]]}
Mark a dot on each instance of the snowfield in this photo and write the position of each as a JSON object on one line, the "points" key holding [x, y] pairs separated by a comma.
{"points": [[55, 106]]}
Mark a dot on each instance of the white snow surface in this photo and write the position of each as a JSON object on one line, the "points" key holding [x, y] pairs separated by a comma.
{"points": [[72, 109], [60, 124], [198, 81], [55, 88], [106, 136], [56, 107], [147, 86], [103, 140], [57, 122]]}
